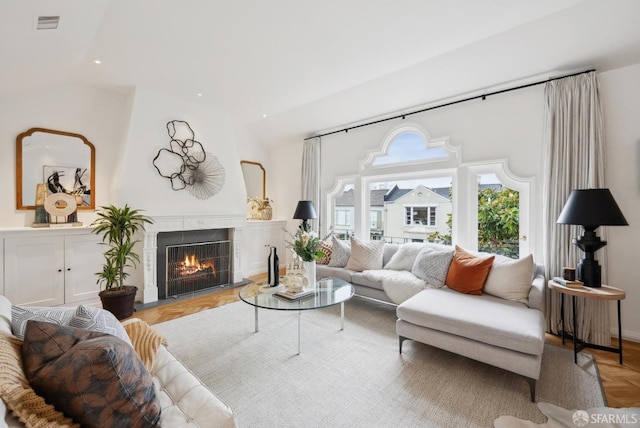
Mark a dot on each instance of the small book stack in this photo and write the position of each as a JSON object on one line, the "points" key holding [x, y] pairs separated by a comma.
{"points": [[288, 295], [566, 283]]}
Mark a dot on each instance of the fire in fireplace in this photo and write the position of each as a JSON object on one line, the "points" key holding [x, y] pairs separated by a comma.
{"points": [[192, 262]]}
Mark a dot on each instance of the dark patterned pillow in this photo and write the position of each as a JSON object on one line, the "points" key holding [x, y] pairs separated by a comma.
{"points": [[95, 378], [326, 248]]}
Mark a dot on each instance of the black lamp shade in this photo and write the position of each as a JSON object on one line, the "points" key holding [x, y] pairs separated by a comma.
{"points": [[592, 208], [305, 211]]}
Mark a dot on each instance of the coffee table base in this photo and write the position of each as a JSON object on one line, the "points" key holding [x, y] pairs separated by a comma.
{"points": [[299, 316]]}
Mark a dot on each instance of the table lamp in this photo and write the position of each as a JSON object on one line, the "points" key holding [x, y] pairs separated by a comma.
{"points": [[591, 208], [305, 211]]}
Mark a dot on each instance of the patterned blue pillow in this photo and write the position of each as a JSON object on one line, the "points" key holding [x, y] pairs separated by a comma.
{"points": [[88, 318]]}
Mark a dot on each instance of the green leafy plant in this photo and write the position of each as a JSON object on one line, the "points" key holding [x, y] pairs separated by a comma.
{"points": [[305, 244], [118, 227], [499, 221]]}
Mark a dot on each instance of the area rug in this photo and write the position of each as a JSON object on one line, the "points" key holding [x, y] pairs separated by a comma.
{"points": [[357, 377]]}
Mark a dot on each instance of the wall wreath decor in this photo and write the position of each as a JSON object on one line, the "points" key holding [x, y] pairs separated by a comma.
{"points": [[187, 165]]}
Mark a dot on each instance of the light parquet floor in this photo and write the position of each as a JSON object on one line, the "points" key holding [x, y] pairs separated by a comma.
{"points": [[621, 382]]}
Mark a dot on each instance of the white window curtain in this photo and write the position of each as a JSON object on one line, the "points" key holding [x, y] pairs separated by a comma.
{"points": [[311, 178], [574, 141]]}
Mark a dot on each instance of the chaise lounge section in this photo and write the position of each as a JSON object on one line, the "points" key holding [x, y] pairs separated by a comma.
{"points": [[499, 322], [495, 331]]}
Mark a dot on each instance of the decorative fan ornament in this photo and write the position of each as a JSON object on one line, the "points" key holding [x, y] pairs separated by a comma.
{"points": [[206, 179], [186, 164]]}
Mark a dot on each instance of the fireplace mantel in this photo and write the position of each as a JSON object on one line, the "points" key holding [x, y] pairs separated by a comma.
{"points": [[236, 225]]}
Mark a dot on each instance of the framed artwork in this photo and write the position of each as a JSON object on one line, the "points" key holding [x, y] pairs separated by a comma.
{"points": [[74, 181]]}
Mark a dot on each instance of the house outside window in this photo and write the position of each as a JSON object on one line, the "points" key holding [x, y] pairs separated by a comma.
{"points": [[417, 215]]}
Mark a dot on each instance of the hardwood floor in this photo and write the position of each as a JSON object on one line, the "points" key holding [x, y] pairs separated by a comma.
{"points": [[621, 382]]}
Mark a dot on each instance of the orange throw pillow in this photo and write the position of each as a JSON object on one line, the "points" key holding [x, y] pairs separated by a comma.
{"points": [[468, 273]]}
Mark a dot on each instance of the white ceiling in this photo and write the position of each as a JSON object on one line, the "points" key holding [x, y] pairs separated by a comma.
{"points": [[311, 65]]}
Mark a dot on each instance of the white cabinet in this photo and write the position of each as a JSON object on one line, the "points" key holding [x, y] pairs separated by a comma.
{"points": [[258, 236], [50, 268]]}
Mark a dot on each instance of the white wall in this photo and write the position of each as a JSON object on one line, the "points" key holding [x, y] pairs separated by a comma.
{"points": [[97, 114], [140, 185], [621, 95], [510, 126]]}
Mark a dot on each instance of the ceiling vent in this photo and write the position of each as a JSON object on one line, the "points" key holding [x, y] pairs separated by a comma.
{"points": [[48, 23]]}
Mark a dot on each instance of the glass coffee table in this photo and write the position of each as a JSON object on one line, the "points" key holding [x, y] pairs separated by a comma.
{"points": [[328, 292]]}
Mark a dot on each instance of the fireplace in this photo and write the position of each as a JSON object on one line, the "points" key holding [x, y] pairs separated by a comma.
{"points": [[191, 261]]}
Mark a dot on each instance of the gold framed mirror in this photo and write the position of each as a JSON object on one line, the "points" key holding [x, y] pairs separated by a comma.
{"points": [[63, 161], [255, 179]]}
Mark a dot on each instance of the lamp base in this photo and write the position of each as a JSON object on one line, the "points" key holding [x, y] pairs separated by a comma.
{"points": [[589, 272]]}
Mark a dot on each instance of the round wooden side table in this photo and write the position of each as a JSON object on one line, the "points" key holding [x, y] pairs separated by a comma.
{"points": [[597, 293]]}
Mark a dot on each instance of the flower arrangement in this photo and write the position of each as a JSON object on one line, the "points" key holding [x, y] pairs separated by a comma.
{"points": [[305, 244], [260, 203]]}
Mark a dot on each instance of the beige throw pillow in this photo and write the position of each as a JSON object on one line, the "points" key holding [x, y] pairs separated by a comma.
{"points": [[365, 255], [511, 280]]}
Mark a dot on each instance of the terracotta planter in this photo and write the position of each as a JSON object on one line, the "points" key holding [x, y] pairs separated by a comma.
{"points": [[119, 302]]}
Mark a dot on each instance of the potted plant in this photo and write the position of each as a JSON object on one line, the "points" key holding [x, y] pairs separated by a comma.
{"points": [[118, 227]]}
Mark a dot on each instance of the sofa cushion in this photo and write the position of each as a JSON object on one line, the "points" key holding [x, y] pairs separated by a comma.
{"points": [[365, 255], [404, 258], [468, 273], [388, 251], [326, 247], [340, 252], [94, 319], [95, 378], [366, 279], [325, 271], [511, 279], [485, 318], [432, 265]]}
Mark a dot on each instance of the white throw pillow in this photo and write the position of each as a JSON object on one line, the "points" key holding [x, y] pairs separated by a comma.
{"points": [[511, 280], [405, 256], [365, 255], [432, 265], [88, 318], [341, 250]]}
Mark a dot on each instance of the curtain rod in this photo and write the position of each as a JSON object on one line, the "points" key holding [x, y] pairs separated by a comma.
{"points": [[403, 115]]}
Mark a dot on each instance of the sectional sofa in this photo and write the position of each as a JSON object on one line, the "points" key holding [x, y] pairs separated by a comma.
{"points": [[496, 317]]}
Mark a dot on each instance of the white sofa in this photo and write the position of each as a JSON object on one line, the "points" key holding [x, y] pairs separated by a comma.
{"points": [[497, 331], [185, 401]]}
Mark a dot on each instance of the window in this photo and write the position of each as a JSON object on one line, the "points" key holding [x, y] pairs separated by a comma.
{"points": [[409, 146], [423, 216], [343, 217], [498, 217]]}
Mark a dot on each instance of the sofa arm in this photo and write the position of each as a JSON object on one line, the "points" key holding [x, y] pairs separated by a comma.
{"points": [[537, 292], [184, 399]]}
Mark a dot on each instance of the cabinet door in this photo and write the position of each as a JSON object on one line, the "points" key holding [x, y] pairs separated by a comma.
{"points": [[34, 270], [83, 258], [258, 237]]}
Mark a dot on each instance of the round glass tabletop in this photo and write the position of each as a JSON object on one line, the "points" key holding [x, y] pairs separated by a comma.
{"points": [[328, 292]]}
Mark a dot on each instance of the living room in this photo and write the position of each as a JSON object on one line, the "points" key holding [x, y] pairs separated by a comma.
{"points": [[264, 92]]}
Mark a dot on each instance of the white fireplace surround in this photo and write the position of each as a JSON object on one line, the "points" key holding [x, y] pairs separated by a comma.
{"points": [[235, 224]]}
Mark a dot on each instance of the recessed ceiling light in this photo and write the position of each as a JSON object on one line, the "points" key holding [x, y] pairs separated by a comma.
{"points": [[97, 61], [199, 94], [264, 115], [47, 23]]}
